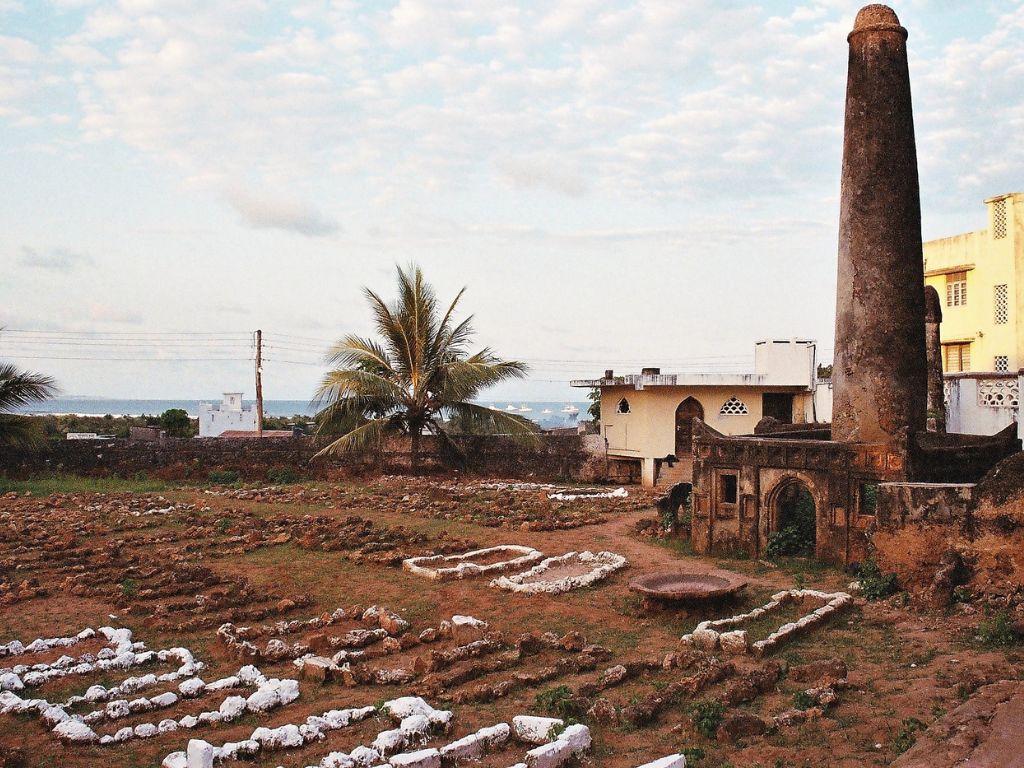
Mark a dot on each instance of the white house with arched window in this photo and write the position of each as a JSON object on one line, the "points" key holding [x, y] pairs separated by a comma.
{"points": [[647, 418]]}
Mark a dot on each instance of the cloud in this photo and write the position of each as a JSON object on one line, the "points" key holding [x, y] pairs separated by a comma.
{"points": [[56, 259], [104, 313], [261, 211]]}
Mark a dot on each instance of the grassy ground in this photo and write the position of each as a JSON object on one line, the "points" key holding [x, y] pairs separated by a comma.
{"points": [[904, 665]]}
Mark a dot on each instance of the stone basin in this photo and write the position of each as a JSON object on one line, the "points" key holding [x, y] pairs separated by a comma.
{"points": [[687, 585]]}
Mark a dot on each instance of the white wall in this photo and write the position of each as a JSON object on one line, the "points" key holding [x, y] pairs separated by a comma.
{"points": [[971, 403], [227, 415], [785, 361]]}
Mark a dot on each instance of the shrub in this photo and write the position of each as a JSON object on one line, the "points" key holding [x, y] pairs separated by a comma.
{"points": [[559, 701], [129, 588], [874, 584], [802, 700], [707, 716], [906, 737], [282, 475], [997, 631], [224, 476], [693, 754], [797, 537]]}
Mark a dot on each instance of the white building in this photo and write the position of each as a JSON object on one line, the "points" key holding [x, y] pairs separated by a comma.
{"points": [[648, 418], [228, 415]]}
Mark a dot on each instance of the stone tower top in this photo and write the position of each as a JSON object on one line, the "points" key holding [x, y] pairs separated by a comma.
{"points": [[877, 18]]}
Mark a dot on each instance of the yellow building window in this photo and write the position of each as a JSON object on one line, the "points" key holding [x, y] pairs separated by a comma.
{"points": [[999, 220], [956, 289], [957, 357]]}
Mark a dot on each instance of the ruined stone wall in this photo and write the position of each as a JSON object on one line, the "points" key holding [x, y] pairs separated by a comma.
{"points": [[834, 474], [557, 457]]}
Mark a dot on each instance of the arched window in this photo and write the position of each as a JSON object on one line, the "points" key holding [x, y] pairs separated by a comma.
{"points": [[733, 407], [623, 406]]}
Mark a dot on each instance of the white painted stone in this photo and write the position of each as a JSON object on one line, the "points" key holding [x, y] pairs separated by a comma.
{"points": [[578, 738], [146, 731], [199, 754], [551, 755], [424, 758], [232, 708], [175, 760], [166, 699], [191, 688], [389, 742], [365, 756], [534, 730], [734, 642], [337, 760], [705, 639], [670, 761], [75, 732]]}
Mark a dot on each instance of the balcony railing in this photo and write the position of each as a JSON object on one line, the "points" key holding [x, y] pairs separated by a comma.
{"points": [[633, 380]]}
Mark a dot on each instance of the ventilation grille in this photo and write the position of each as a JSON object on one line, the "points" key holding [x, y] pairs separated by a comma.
{"points": [[733, 407], [999, 219], [1002, 311]]}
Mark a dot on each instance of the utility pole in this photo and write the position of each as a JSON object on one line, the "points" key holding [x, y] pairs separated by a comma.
{"points": [[259, 383]]}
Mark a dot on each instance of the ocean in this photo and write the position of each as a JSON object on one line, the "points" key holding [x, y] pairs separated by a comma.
{"points": [[547, 414]]}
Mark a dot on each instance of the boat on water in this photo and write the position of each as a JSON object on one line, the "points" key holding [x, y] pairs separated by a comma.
{"points": [[546, 412], [524, 409], [510, 407], [571, 409]]}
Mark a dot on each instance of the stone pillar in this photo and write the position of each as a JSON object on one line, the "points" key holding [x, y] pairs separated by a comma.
{"points": [[648, 472], [933, 351], [880, 373]]}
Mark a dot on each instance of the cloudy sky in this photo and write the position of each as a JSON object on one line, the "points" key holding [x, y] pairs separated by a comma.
{"points": [[617, 183]]}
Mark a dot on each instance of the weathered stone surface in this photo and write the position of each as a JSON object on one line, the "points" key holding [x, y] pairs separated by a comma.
{"points": [[984, 732], [880, 374], [933, 353]]}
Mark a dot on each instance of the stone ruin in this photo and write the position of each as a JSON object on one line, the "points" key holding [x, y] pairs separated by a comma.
{"points": [[878, 466]]}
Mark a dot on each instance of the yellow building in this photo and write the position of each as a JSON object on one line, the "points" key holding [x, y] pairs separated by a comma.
{"points": [[648, 417], [980, 276]]}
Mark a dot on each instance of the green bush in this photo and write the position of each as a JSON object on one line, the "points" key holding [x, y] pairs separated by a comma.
{"points": [[560, 702], [802, 700], [707, 716], [224, 476], [796, 538], [693, 754], [874, 584], [997, 631], [282, 475]]}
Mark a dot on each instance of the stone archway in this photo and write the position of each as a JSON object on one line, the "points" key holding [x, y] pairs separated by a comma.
{"points": [[792, 518], [687, 411]]}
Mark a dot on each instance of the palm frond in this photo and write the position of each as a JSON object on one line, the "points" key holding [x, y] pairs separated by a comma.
{"points": [[365, 437], [479, 419], [464, 379], [19, 388], [20, 432], [358, 352]]}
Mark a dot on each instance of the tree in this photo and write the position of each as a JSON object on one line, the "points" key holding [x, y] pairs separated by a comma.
{"points": [[594, 409], [417, 373], [176, 423], [19, 388]]}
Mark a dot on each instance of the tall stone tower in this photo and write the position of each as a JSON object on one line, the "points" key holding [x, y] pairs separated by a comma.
{"points": [[880, 374]]}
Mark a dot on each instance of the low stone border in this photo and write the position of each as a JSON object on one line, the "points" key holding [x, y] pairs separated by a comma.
{"points": [[618, 493], [77, 729], [39, 645], [462, 566], [722, 633], [384, 624], [416, 720], [120, 653], [604, 564]]}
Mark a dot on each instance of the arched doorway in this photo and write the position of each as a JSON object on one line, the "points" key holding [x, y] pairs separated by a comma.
{"points": [[793, 521], [687, 411]]}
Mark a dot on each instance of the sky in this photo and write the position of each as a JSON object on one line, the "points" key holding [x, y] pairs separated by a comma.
{"points": [[616, 184]]}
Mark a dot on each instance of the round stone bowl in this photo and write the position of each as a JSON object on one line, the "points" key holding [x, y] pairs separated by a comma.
{"points": [[687, 585]]}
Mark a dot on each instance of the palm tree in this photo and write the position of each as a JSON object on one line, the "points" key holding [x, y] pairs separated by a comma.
{"points": [[418, 372], [20, 388]]}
